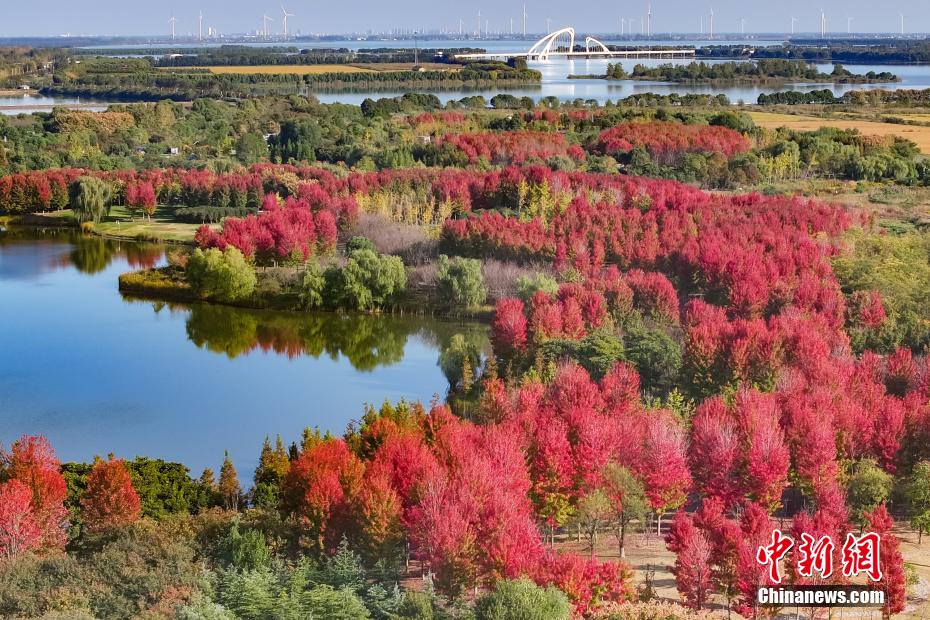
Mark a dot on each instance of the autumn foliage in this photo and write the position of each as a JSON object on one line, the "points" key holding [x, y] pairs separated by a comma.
{"points": [[31, 463], [110, 499], [668, 141]]}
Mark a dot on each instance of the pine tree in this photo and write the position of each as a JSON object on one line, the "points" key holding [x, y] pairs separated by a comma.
{"points": [[229, 488], [208, 479]]}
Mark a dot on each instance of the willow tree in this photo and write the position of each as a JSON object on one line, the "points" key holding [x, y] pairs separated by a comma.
{"points": [[90, 198]]}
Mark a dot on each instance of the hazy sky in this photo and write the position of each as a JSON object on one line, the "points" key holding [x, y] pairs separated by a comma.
{"points": [[125, 17]]}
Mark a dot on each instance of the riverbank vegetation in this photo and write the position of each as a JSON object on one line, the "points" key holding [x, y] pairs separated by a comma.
{"points": [[138, 79], [762, 71]]}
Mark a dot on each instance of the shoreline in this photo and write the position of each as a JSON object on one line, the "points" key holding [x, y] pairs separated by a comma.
{"points": [[164, 284]]}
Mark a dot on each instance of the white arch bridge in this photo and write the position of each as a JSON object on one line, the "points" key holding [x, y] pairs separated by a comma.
{"points": [[562, 43]]}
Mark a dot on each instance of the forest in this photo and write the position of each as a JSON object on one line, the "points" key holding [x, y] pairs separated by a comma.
{"points": [[686, 347]]}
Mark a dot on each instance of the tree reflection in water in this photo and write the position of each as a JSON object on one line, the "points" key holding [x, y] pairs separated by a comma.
{"points": [[89, 254], [367, 341]]}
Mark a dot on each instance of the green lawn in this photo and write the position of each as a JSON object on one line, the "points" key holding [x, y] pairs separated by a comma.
{"points": [[120, 224]]}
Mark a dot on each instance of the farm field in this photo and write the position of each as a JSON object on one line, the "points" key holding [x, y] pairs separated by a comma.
{"points": [[919, 135]]}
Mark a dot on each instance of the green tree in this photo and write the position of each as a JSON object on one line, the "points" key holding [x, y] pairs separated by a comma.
{"points": [[656, 356], [869, 485], [415, 606], [251, 148], [522, 600], [327, 602], [273, 465], [247, 551], [223, 276], [918, 497], [593, 512], [527, 287], [90, 198], [368, 281], [297, 141], [628, 499], [312, 285], [461, 285]]}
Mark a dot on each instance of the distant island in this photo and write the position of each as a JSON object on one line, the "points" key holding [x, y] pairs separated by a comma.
{"points": [[764, 71]]}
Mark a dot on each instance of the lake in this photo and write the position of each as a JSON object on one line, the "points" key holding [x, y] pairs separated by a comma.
{"points": [[555, 74], [98, 373]]}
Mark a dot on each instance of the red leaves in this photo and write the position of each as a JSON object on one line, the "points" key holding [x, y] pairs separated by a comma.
{"points": [[668, 141], [510, 147], [508, 330], [894, 580], [141, 195], [587, 583], [740, 451], [32, 462], [110, 500], [473, 521], [692, 567], [277, 233], [19, 531], [319, 489]]}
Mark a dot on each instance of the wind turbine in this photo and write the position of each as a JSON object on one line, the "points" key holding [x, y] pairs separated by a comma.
{"points": [[902, 23], [172, 21], [524, 20], [711, 23], [622, 26], [823, 24], [742, 25], [649, 20], [479, 23], [548, 25], [848, 24], [794, 20], [200, 28], [265, 20], [286, 15]]}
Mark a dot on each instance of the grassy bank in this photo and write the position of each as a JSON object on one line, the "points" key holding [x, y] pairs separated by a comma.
{"points": [[119, 225]]}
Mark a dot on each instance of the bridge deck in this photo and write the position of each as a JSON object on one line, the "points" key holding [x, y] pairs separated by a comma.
{"points": [[643, 53]]}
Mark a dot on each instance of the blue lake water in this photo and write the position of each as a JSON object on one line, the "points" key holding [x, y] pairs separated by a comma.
{"points": [[98, 373]]}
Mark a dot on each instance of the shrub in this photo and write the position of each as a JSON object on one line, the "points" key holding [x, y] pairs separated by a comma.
{"points": [[223, 276], [522, 600], [527, 287], [461, 284], [367, 282]]}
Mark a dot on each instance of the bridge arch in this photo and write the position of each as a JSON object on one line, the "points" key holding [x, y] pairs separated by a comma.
{"points": [[600, 47], [561, 40]]}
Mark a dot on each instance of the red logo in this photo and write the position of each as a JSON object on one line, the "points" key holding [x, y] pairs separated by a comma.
{"points": [[815, 556]]}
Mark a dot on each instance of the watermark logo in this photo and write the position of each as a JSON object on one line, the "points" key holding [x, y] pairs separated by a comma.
{"points": [[859, 555]]}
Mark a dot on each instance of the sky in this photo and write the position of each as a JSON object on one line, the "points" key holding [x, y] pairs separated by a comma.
{"points": [[150, 17]]}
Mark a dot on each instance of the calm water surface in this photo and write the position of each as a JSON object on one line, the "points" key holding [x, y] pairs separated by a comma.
{"points": [[98, 373]]}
